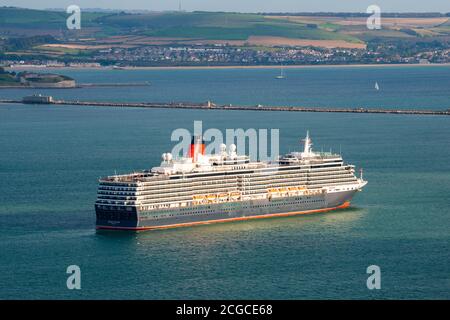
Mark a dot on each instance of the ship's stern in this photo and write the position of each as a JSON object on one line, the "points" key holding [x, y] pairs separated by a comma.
{"points": [[116, 218]]}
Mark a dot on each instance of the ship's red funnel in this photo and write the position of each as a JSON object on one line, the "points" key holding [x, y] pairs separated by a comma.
{"points": [[197, 147]]}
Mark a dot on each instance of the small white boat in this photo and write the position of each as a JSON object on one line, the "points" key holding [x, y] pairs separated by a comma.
{"points": [[281, 75]]}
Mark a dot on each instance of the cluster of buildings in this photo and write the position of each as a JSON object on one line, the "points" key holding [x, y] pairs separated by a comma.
{"points": [[229, 55], [38, 63]]}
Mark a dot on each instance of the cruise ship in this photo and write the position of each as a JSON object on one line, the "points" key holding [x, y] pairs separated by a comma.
{"points": [[201, 189]]}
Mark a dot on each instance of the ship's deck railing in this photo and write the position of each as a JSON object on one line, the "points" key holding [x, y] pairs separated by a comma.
{"points": [[328, 155], [150, 176], [133, 177], [318, 155], [143, 176]]}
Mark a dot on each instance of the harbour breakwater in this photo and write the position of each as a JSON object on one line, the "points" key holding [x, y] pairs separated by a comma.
{"points": [[211, 106]]}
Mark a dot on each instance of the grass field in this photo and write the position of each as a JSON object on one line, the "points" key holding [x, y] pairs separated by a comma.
{"points": [[218, 26], [40, 19], [191, 25], [391, 27]]}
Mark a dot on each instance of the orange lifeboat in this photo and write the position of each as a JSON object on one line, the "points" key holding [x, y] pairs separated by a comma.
{"points": [[283, 190], [198, 199], [223, 196], [235, 195]]}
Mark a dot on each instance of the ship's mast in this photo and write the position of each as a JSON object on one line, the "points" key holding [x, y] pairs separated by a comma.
{"points": [[308, 145]]}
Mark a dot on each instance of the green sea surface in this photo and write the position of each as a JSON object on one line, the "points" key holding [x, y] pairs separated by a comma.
{"points": [[52, 156]]}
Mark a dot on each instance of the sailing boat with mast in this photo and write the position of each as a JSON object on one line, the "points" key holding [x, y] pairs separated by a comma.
{"points": [[281, 75]]}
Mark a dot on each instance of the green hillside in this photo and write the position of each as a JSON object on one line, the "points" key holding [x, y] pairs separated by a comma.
{"points": [[11, 17], [202, 25], [25, 18], [216, 25], [196, 25]]}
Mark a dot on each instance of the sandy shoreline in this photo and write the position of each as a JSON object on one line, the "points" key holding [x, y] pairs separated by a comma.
{"points": [[239, 67]]}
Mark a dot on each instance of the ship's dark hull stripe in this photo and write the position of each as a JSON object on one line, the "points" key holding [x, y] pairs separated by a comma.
{"points": [[270, 215]]}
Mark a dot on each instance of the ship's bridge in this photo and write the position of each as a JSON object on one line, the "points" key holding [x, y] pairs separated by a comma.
{"points": [[308, 156]]}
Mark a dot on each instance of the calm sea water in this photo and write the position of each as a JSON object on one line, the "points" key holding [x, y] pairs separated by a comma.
{"points": [[51, 158]]}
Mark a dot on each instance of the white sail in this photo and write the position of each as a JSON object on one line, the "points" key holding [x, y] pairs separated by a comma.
{"points": [[281, 75]]}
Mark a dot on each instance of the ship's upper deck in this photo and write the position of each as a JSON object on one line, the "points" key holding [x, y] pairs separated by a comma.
{"points": [[223, 162]]}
